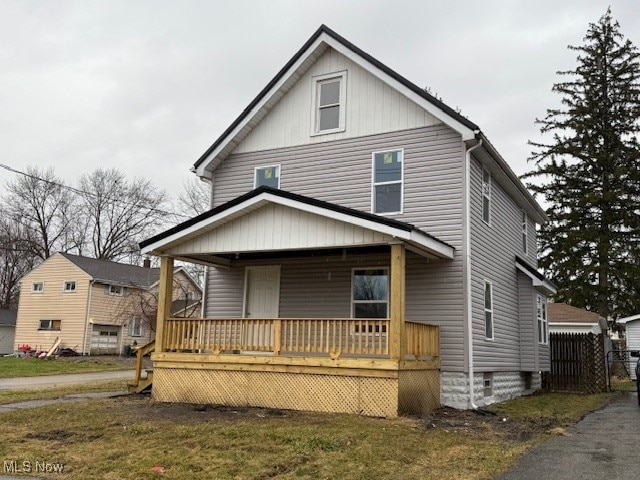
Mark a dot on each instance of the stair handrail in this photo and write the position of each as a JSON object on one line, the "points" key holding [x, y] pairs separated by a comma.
{"points": [[140, 353]]}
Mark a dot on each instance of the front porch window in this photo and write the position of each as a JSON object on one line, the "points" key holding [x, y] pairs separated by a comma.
{"points": [[370, 296]]}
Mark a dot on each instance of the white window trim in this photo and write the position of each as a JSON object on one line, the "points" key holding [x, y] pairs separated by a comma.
{"points": [[50, 320], [33, 290], [542, 321], [374, 184], [485, 310], [487, 195], [120, 293], [387, 269], [525, 232], [255, 173], [64, 286], [132, 321], [315, 99]]}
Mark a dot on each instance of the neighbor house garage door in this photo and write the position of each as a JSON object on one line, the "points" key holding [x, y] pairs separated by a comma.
{"points": [[104, 340]]}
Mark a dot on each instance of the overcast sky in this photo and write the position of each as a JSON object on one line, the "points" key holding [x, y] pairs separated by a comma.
{"points": [[147, 86]]}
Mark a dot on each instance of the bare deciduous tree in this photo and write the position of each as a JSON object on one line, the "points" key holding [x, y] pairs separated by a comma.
{"points": [[118, 212], [16, 259]]}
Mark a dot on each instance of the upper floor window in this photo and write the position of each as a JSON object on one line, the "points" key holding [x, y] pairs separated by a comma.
{"points": [[488, 310], [69, 286], [387, 181], [37, 287], [268, 176], [524, 232], [117, 290], [329, 92], [543, 324], [50, 325], [135, 327], [486, 196], [370, 296]]}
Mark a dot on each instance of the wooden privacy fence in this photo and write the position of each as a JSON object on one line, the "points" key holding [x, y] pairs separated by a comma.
{"points": [[332, 337], [578, 363]]}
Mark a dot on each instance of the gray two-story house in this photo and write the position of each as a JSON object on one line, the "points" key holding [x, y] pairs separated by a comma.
{"points": [[367, 250]]}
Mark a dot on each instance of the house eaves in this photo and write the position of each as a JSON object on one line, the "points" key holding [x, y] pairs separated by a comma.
{"points": [[322, 39], [538, 279]]}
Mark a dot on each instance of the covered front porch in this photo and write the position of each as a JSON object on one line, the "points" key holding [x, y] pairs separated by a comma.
{"points": [[370, 360]]}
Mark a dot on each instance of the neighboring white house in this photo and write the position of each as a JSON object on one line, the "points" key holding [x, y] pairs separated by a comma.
{"points": [[632, 326], [564, 318], [7, 330]]}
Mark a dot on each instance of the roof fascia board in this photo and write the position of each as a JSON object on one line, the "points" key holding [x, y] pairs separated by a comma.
{"points": [[200, 170], [466, 132], [629, 319], [422, 240]]}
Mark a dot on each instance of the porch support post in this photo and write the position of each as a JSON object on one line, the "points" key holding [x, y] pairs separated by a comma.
{"points": [[165, 297], [397, 334]]}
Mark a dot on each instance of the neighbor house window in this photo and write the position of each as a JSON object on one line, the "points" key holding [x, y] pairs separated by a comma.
{"points": [[543, 324], [70, 286], [370, 297], [524, 232], [329, 94], [50, 324], [268, 176], [387, 181], [486, 196], [37, 287], [488, 310], [116, 290], [135, 327]]}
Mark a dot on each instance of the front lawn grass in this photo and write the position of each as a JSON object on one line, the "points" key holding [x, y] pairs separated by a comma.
{"points": [[11, 367], [125, 438]]}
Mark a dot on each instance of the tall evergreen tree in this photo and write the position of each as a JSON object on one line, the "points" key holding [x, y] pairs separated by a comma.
{"points": [[589, 175]]}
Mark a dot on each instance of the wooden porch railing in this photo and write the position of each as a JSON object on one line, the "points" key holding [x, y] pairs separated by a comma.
{"points": [[423, 340], [334, 337], [140, 353]]}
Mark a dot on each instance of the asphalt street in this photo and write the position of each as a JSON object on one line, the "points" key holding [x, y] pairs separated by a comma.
{"points": [[604, 445]]}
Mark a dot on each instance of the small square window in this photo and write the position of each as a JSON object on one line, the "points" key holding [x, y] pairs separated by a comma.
{"points": [[70, 286], [268, 176], [487, 379], [116, 290], [37, 287]]}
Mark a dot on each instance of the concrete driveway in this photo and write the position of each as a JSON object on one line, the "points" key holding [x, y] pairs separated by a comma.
{"points": [[604, 445], [48, 381]]}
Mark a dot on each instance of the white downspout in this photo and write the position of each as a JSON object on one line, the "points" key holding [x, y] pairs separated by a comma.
{"points": [[467, 261]]}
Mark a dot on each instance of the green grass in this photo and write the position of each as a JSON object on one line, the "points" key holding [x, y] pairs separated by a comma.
{"points": [[125, 438], [553, 409], [11, 367]]}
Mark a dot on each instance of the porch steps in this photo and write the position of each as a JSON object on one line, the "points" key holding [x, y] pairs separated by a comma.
{"points": [[142, 384]]}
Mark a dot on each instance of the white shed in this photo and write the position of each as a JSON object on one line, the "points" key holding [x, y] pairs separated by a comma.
{"points": [[632, 325]]}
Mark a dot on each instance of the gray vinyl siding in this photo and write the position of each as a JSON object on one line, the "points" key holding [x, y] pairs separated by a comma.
{"points": [[320, 287], [340, 172], [528, 324], [493, 251]]}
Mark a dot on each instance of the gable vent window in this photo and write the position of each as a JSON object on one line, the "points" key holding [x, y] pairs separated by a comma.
{"points": [[116, 290], [329, 94], [387, 181], [37, 287], [268, 176], [69, 286], [486, 196]]}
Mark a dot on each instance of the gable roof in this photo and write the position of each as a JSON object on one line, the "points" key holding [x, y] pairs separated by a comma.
{"points": [[322, 38], [563, 313], [626, 320], [263, 195], [8, 318], [302, 60], [115, 273]]}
